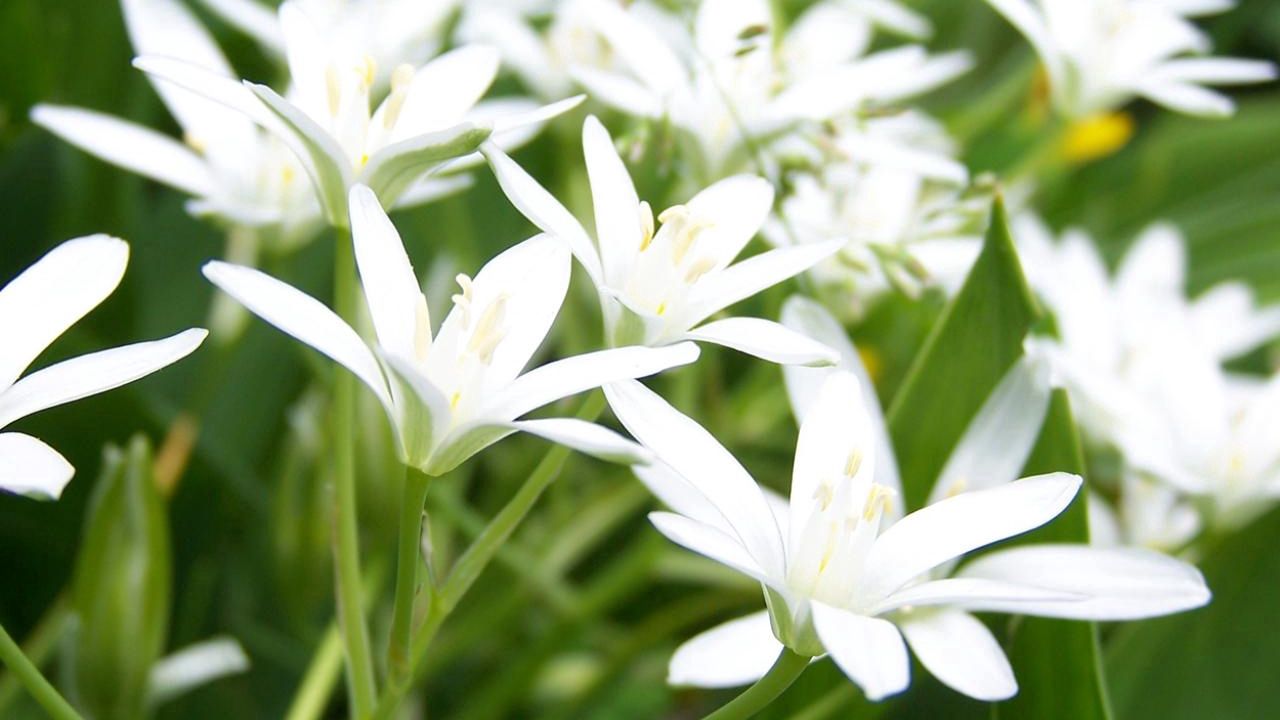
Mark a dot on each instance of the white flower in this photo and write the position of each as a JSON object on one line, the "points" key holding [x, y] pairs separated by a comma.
{"points": [[233, 170], [452, 393], [1099, 54], [736, 80], [837, 581], [1146, 513], [541, 58], [392, 32], [1112, 330], [429, 118], [891, 190], [660, 286], [35, 308]]}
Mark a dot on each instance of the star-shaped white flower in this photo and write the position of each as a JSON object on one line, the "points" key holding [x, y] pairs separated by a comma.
{"points": [[736, 80], [659, 286], [452, 393], [35, 308], [232, 169], [1100, 54], [429, 119], [838, 581], [891, 189]]}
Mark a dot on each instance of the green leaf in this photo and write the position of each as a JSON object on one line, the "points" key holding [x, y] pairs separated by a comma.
{"points": [[1216, 662], [974, 342], [1057, 662]]}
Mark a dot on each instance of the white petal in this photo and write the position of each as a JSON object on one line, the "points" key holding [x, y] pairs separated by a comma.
{"points": [[301, 316], [219, 88], [129, 146], [735, 653], [585, 437], [251, 18], [1118, 583], [572, 375], [961, 652], [1154, 267], [1187, 98], [741, 280], [318, 151], [1225, 319], [445, 89], [835, 433], [513, 127], [618, 91], [617, 206], [804, 384], [693, 453], [419, 411], [767, 340], [80, 377], [932, 535], [975, 594], [639, 48], [429, 189], [1216, 71], [193, 666], [395, 168], [530, 279], [869, 650], [543, 210], [709, 542], [51, 295], [390, 286], [1031, 23], [29, 467], [672, 490], [735, 209], [998, 440]]}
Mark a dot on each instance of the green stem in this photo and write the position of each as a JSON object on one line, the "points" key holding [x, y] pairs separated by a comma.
{"points": [[408, 559], [40, 643], [478, 556], [766, 690], [346, 559], [35, 683], [313, 694]]}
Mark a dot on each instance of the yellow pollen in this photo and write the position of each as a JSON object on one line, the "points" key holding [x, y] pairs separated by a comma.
{"points": [[364, 159], [421, 329], [957, 487], [333, 89], [454, 400], [287, 175], [852, 464], [662, 309], [1097, 136], [646, 225], [1236, 463], [368, 70], [193, 142], [878, 501]]}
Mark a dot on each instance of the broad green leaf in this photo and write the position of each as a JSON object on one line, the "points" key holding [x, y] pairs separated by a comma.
{"points": [[974, 342], [1057, 662], [1216, 662]]}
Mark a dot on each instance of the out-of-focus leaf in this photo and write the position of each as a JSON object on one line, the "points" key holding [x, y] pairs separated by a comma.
{"points": [[974, 342], [1216, 662], [1057, 662]]}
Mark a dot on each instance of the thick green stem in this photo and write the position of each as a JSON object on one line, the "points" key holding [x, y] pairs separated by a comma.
{"points": [[408, 560], [766, 690], [481, 552], [355, 634], [33, 681]]}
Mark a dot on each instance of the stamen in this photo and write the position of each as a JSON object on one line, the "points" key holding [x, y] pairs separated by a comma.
{"points": [[852, 464], [369, 71], [698, 269], [287, 175], [193, 142], [422, 329], [824, 494], [463, 300], [957, 487], [488, 333], [878, 502], [646, 225], [454, 400], [333, 88], [400, 81]]}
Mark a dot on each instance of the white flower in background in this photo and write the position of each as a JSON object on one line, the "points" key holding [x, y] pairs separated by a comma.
{"points": [[543, 57], [452, 393], [392, 32], [1100, 54], [232, 169], [838, 581], [891, 190], [1113, 328], [430, 117], [660, 286], [35, 308], [1145, 512], [736, 81]]}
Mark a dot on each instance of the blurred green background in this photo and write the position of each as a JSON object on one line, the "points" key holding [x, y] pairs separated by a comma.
{"points": [[250, 554]]}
